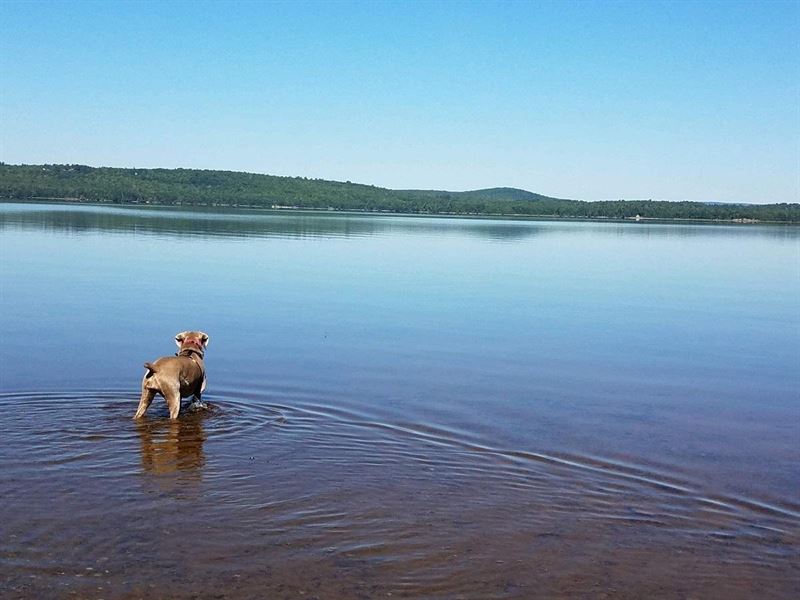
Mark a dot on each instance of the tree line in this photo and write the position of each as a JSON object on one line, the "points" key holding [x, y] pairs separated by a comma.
{"points": [[229, 188]]}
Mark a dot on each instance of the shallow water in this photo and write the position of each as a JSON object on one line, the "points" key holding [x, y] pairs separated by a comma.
{"points": [[399, 406]]}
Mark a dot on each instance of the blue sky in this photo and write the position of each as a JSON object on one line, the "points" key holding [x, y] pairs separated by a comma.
{"points": [[678, 100]]}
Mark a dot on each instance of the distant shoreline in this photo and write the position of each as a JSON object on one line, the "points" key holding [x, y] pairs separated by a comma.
{"points": [[387, 213], [236, 190]]}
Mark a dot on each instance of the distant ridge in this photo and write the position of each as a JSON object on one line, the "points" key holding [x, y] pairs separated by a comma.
{"points": [[498, 193], [198, 187]]}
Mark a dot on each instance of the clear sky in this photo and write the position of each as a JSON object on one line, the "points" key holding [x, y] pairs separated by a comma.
{"points": [[676, 100]]}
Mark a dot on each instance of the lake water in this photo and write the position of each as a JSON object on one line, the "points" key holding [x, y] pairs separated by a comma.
{"points": [[400, 406]]}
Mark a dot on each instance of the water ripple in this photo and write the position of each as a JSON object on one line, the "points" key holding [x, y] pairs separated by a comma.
{"points": [[293, 474]]}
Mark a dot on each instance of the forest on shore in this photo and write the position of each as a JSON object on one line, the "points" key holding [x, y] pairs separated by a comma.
{"points": [[195, 187]]}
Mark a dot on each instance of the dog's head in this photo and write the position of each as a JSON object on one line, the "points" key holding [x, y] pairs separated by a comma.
{"points": [[192, 340]]}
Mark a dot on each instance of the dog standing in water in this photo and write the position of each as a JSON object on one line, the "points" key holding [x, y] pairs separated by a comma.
{"points": [[176, 377]]}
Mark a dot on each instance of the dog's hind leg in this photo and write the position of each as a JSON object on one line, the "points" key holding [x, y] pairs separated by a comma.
{"points": [[144, 402], [173, 398]]}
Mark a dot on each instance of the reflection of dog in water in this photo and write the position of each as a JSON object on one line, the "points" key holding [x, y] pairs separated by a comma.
{"points": [[170, 446], [176, 377]]}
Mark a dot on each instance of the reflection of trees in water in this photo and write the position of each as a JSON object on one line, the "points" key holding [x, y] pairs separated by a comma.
{"points": [[247, 223], [169, 446]]}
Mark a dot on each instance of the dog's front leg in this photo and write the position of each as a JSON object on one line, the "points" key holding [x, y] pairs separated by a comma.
{"points": [[197, 399]]}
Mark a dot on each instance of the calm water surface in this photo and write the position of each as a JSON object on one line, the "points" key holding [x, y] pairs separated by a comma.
{"points": [[407, 407]]}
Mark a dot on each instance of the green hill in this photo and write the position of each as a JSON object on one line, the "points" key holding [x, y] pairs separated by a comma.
{"points": [[501, 193], [230, 188]]}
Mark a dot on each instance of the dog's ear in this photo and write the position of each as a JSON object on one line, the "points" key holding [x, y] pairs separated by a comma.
{"points": [[205, 339], [179, 338]]}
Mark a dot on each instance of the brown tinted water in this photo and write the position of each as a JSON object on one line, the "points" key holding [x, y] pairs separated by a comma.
{"points": [[412, 408]]}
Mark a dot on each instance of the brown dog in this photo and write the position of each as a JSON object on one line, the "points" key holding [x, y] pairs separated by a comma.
{"points": [[176, 377]]}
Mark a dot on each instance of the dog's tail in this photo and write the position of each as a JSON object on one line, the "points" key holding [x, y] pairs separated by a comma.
{"points": [[151, 368]]}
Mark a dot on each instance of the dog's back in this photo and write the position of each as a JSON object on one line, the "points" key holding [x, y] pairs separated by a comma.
{"points": [[176, 377]]}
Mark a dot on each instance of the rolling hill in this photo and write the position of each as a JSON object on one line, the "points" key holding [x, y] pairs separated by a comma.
{"points": [[195, 187]]}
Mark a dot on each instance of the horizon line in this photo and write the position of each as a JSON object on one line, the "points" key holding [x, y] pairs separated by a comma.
{"points": [[409, 189]]}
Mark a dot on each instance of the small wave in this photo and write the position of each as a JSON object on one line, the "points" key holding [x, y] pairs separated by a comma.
{"points": [[292, 469]]}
